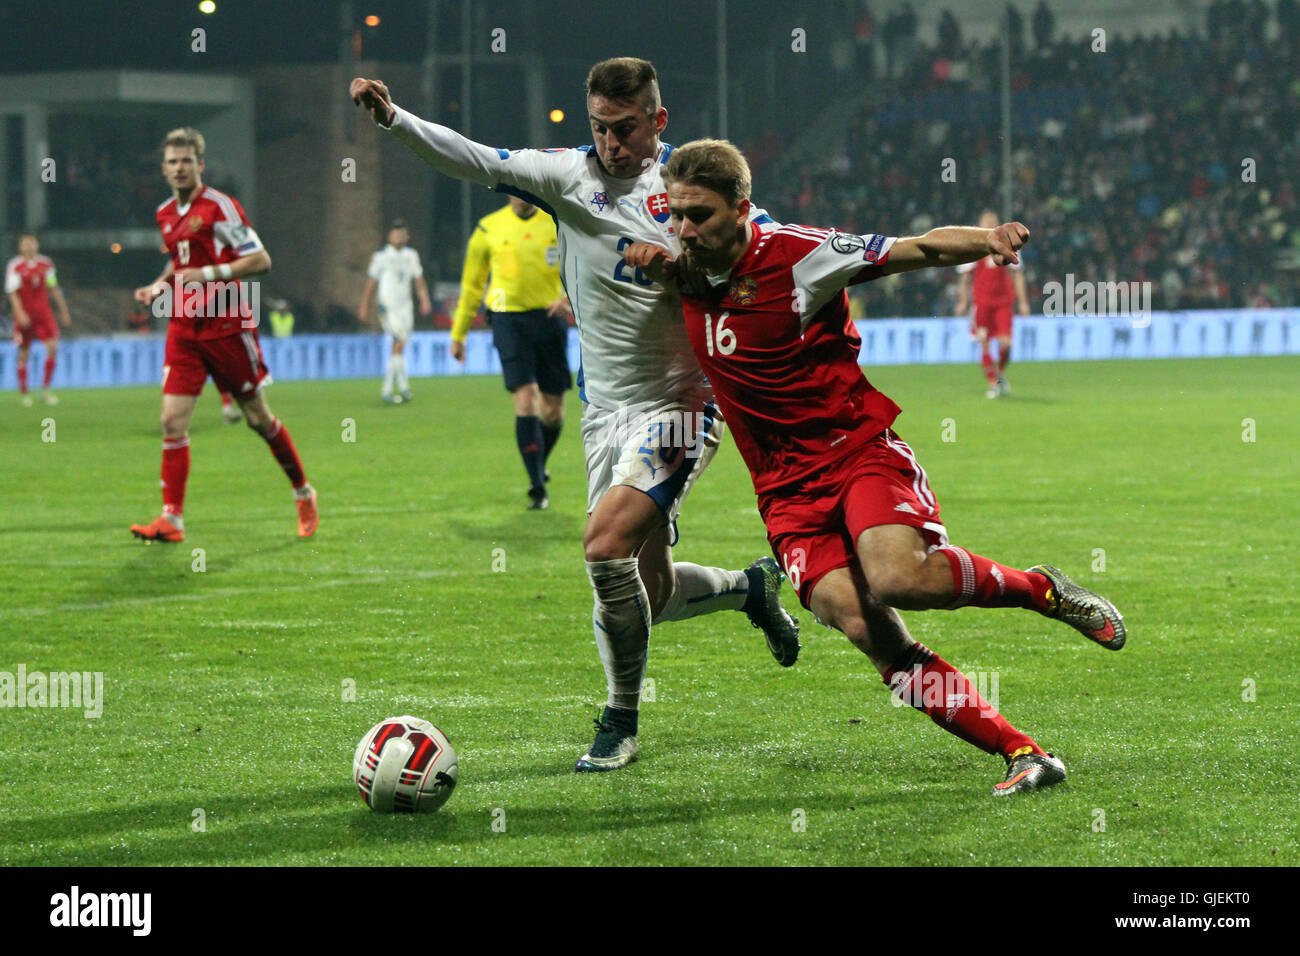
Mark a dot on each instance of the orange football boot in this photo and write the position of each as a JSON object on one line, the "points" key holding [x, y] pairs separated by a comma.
{"points": [[308, 516], [160, 529]]}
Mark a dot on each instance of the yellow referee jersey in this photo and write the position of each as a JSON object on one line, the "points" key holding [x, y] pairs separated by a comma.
{"points": [[522, 256]]}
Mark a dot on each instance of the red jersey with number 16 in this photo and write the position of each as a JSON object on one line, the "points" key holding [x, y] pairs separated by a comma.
{"points": [[209, 230], [775, 339]]}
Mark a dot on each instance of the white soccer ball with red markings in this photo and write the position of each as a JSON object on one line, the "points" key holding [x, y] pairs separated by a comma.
{"points": [[404, 765]]}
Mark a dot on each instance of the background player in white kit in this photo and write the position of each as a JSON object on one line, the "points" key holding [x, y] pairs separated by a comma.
{"points": [[639, 381], [392, 271]]}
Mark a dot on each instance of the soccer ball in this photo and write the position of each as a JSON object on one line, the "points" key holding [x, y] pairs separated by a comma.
{"points": [[404, 765]]}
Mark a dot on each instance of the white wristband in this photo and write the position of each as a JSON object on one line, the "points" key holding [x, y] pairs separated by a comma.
{"points": [[209, 273], [224, 270]]}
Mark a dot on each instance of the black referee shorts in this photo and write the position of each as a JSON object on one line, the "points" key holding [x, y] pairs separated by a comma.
{"points": [[534, 348]]}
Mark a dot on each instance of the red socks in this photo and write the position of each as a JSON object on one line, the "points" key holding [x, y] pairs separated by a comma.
{"points": [[49, 371], [176, 466], [979, 582], [1004, 356], [285, 453], [175, 472], [986, 359], [924, 680], [22, 379]]}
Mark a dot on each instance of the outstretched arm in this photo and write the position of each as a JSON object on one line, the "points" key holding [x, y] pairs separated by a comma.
{"points": [[953, 245], [446, 150]]}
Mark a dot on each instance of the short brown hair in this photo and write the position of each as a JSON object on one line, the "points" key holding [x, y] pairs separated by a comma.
{"points": [[714, 164], [184, 136], [625, 78]]}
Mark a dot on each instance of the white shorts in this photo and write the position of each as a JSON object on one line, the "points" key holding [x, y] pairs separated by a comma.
{"points": [[397, 322], [661, 451]]}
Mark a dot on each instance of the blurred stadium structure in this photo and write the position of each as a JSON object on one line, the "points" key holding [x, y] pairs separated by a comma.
{"points": [[1127, 164]]}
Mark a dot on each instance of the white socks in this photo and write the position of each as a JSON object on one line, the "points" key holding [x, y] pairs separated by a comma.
{"points": [[403, 385], [395, 375], [703, 590], [621, 622], [621, 618]]}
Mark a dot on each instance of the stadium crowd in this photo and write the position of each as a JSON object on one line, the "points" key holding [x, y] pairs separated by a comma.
{"points": [[1168, 159]]}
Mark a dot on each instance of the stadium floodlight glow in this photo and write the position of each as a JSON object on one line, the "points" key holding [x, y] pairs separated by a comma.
{"points": [[207, 6], [372, 21], [557, 116]]}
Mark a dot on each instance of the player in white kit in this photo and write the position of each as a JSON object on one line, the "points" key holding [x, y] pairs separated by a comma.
{"points": [[392, 271], [649, 424]]}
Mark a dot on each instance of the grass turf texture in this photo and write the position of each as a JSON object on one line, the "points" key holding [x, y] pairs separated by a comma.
{"points": [[224, 690]]}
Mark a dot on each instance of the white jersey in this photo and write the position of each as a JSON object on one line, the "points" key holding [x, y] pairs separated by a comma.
{"points": [[394, 269], [635, 352]]}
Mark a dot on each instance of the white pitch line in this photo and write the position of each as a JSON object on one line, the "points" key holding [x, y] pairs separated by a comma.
{"points": [[212, 595]]}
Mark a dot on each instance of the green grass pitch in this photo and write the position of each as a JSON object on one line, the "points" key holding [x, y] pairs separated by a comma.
{"points": [[225, 689]]}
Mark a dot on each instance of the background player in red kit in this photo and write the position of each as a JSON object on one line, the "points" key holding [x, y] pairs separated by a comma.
{"points": [[993, 289], [848, 508], [209, 239], [30, 282]]}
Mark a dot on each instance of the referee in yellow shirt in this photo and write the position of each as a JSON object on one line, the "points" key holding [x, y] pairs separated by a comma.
{"points": [[528, 313]]}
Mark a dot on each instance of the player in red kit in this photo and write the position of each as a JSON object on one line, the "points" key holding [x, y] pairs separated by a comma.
{"points": [[848, 508], [212, 331], [994, 289], [30, 282]]}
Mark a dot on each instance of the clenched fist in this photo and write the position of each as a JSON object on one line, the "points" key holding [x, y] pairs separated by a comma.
{"points": [[373, 95], [1005, 240], [655, 262]]}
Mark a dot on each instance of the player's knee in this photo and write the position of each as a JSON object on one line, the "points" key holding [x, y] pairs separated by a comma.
{"points": [[527, 400], [258, 416], [894, 584], [607, 545], [173, 426]]}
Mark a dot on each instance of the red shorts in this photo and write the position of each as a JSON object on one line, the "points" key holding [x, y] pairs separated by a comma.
{"points": [[813, 526], [234, 362], [994, 319], [42, 327]]}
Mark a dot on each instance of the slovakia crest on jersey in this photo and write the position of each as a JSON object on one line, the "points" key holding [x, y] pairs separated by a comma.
{"points": [[658, 206], [744, 291]]}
